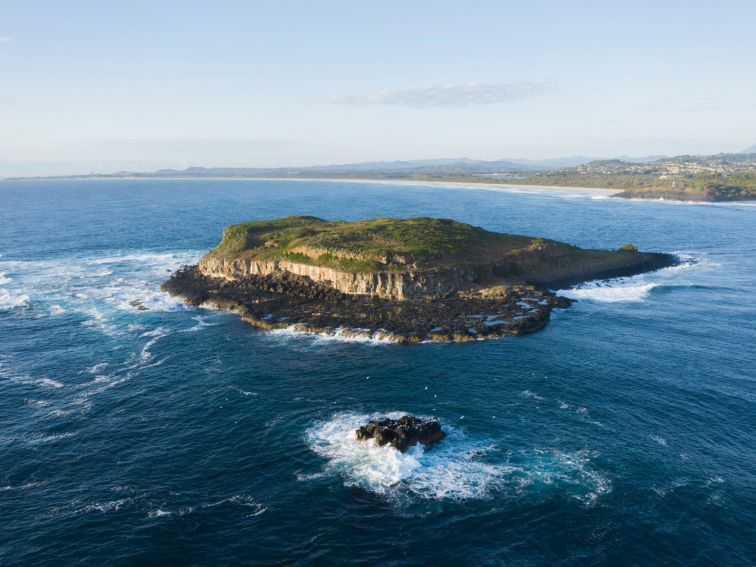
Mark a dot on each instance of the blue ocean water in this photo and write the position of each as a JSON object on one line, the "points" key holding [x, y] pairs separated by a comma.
{"points": [[624, 433]]}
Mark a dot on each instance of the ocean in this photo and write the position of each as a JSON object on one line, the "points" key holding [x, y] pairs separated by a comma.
{"points": [[622, 434]]}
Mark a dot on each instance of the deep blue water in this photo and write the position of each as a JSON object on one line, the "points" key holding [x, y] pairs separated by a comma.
{"points": [[624, 433]]}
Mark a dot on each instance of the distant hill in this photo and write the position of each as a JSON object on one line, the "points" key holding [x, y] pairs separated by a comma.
{"points": [[455, 166], [720, 177], [751, 150], [400, 169]]}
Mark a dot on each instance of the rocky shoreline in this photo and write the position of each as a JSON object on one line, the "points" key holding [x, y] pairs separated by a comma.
{"points": [[283, 300]]}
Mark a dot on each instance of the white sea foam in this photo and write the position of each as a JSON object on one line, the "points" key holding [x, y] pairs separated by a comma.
{"points": [[76, 507], [634, 288], [25, 486], [10, 300], [100, 287], [155, 335], [41, 438], [39, 382], [159, 513], [253, 507], [531, 395], [363, 336], [659, 439], [610, 292], [99, 367], [458, 468], [201, 324]]}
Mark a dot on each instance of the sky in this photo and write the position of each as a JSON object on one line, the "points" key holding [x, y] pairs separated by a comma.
{"points": [[141, 85]]}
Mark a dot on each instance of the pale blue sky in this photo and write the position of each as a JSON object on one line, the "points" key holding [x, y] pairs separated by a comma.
{"points": [[111, 85]]}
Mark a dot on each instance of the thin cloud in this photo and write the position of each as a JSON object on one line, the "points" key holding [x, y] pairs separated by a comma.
{"points": [[461, 95], [5, 40]]}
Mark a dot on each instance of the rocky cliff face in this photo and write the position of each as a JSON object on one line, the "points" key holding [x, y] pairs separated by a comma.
{"points": [[389, 285], [537, 268]]}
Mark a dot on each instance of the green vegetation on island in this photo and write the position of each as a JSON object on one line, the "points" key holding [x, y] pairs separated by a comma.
{"points": [[371, 245], [409, 280], [412, 245]]}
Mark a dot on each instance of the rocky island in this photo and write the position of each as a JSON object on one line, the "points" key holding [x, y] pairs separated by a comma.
{"points": [[402, 433], [405, 280]]}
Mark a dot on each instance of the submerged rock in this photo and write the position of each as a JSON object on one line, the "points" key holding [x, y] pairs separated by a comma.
{"points": [[401, 433], [139, 305]]}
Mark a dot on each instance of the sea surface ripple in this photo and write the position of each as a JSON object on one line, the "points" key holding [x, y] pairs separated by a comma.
{"points": [[135, 430]]}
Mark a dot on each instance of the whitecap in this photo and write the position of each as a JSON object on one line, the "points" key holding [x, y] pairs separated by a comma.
{"points": [[74, 508], [99, 367], [42, 438], [659, 440], [40, 382], [201, 324], [159, 513], [532, 395]]}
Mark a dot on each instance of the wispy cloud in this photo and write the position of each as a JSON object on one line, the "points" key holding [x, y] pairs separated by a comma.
{"points": [[466, 94], [5, 39]]}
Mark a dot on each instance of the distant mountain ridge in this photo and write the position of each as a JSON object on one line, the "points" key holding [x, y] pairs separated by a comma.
{"points": [[651, 172], [400, 168]]}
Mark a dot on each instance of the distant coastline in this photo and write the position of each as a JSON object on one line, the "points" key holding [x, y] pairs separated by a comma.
{"points": [[716, 178], [480, 185]]}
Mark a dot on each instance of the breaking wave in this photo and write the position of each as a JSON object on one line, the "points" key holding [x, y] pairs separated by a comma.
{"points": [[458, 468], [633, 288], [95, 287], [339, 335]]}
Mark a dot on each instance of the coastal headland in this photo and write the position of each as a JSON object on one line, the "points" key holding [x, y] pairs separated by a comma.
{"points": [[405, 280]]}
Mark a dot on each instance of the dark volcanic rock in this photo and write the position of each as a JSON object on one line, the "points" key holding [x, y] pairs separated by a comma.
{"points": [[401, 433], [283, 299]]}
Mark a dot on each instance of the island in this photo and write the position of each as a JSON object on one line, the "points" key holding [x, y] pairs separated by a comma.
{"points": [[406, 280]]}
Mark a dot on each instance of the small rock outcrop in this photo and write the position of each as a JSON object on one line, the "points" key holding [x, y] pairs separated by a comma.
{"points": [[401, 433]]}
